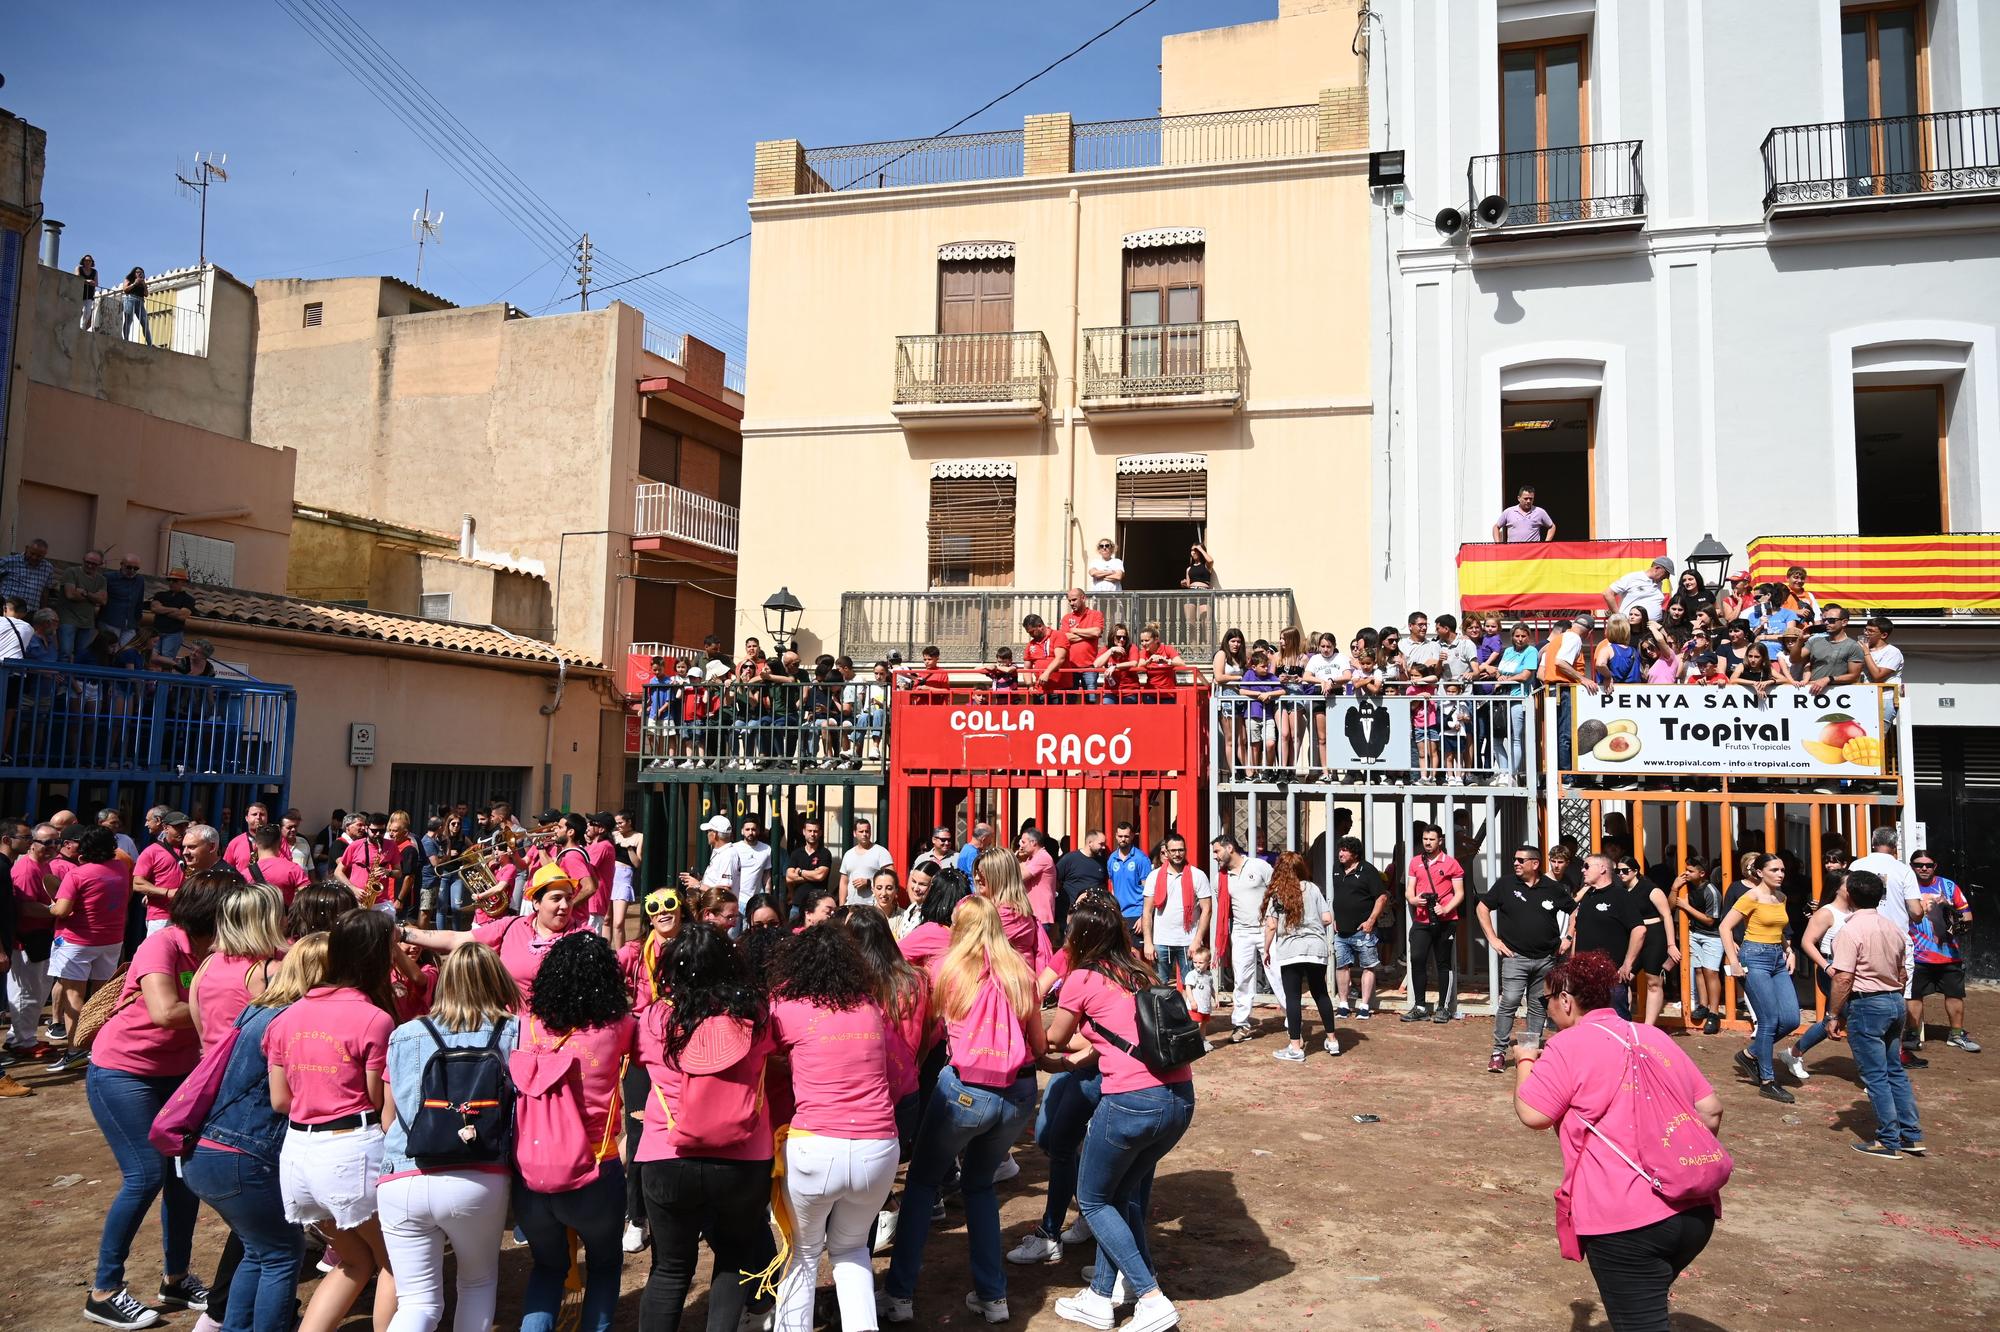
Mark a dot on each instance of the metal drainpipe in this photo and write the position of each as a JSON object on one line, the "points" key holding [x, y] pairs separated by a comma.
{"points": [[1070, 405], [549, 710]]}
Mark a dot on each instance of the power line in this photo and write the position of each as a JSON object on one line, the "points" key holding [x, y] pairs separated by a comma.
{"points": [[1059, 60]]}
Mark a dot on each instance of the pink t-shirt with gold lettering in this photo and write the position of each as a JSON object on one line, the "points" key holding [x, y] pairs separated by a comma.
{"points": [[842, 1081], [602, 1053], [129, 1041], [327, 1042]]}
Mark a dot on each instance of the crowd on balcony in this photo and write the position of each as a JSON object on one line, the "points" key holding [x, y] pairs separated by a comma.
{"points": [[88, 615]]}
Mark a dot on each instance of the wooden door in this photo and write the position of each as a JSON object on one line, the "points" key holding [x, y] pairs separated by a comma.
{"points": [[975, 296], [1163, 310]]}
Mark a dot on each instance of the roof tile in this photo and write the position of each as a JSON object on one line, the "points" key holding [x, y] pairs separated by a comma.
{"points": [[234, 606]]}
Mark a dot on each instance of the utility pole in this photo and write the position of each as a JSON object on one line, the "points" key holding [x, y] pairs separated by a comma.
{"points": [[583, 272], [206, 171], [425, 227]]}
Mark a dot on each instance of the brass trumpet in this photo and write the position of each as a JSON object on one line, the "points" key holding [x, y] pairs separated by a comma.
{"points": [[475, 865]]}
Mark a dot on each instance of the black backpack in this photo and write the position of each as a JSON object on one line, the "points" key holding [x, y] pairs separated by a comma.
{"points": [[466, 1116], [1169, 1037]]}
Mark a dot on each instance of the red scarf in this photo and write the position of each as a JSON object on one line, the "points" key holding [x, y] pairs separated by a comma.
{"points": [[1224, 922], [1187, 894]]}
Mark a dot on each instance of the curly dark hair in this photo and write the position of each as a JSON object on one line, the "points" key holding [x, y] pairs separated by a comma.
{"points": [[709, 977], [316, 907], [97, 846], [1587, 977], [761, 951], [579, 984], [824, 967], [1099, 941], [949, 887]]}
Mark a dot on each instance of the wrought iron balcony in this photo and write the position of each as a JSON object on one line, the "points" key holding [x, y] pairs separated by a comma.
{"points": [[940, 160], [946, 380], [759, 729], [1182, 370], [968, 626], [1598, 185], [663, 510], [1211, 136], [1883, 162]]}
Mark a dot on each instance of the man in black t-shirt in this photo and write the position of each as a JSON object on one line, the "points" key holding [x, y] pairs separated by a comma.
{"points": [[1359, 898], [808, 866], [1521, 915], [1604, 921], [171, 608], [1080, 870]]}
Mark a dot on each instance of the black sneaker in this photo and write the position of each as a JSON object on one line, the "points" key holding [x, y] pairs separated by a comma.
{"points": [[187, 1293], [1415, 1013], [1747, 1062], [1771, 1091], [69, 1059], [55, 1035], [121, 1310], [1442, 1015], [1913, 1060], [1712, 1024], [1878, 1151]]}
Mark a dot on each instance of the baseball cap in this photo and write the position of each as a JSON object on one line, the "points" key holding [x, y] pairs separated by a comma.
{"points": [[599, 820], [718, 823], [173, 818], [547, 877], [549, 816], [1739, 576]]}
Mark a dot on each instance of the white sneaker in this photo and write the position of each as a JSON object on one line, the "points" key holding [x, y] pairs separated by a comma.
{"points": [[1289, 1054], [634, 1239], [1796, 1065], [1332, 1047], [885, 1231], [1035, 1247], [1089, 1308], [1007, 1169], [1078, 1232], [993, 1311], [1121, 1293], [893, 1310], [1155, 1313]]}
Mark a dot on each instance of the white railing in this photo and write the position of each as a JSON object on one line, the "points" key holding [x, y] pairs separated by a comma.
{"points": [[669, 511], [672, 345]]}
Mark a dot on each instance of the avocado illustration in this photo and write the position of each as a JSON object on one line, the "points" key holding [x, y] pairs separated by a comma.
{"points": [[1589, 733]]}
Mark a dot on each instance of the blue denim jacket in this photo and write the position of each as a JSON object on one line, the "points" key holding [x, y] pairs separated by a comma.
{"points": [[242, 1116]]}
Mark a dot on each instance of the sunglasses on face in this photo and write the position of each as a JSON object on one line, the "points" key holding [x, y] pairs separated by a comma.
{"points": [[1522, 860], [1923, 864]]}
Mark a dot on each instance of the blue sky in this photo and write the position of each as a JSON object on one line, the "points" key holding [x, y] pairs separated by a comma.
{"points": [[634, 121]]}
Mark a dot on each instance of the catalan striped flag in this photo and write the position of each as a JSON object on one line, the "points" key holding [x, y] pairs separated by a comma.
{"points": [[1526, 577], [1943, 571]]}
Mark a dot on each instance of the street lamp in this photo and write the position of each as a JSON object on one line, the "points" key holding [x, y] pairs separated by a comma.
{"points": [[779, 608], [1708, 551]]}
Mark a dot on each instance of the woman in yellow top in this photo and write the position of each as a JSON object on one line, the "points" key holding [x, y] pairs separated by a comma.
{"points": [[1764, 960]]}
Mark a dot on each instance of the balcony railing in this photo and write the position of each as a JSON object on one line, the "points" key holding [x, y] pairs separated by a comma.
{"points": [[745, 726], [175, 319], [935, 161], [1887, 160], [1269, 735], [1945, 573], [666, 342], [83, 722], [968, 626], [1163, 361], [939, 369], [1591, 182], [642, 654], [664, 510], [1217, 136]]}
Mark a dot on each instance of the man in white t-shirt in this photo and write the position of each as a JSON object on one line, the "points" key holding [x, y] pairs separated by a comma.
{"points": [[1903, 902], [1456, 654], [1240, 882], [1642, 588], [1881, 661], [753, 860], [723, 869], [1174, 919], [860, 864], [1107, 571]]}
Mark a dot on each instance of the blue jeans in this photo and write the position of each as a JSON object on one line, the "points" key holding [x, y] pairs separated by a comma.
{"points": [[596, 1212], [1776, 1003], [1170, 963], [981, 1124], [1068, 1102], [244, 1193], [70, 638], [1816, 1033], [135, 308], [124, 1104], [1875, 1035], [169, 645], [1563, 739], [1129, 1135]]}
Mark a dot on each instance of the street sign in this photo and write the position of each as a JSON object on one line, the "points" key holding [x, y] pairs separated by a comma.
{"points": [[361, 744]]}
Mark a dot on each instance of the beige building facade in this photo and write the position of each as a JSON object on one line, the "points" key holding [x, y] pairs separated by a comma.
{"points": [[985, 355]]}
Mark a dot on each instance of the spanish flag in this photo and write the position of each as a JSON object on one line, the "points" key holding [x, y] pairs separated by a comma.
{"points": [[1527, 577], [1944, 571]]}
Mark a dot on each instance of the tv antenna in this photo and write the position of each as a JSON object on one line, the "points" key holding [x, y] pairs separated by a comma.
{"points": [[194, 183], [424, 227]]}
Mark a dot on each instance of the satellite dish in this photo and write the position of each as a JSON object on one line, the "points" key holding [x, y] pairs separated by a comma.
{"points": [[1449, 221], [1492, 210]]}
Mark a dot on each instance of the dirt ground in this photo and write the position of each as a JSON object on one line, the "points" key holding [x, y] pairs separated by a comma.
{"points": [[1278, 1212]]}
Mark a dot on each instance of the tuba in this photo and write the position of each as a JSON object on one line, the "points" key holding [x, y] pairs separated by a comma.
{"points": [[475, 865]]}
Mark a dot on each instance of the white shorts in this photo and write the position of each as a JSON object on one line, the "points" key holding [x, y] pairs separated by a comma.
{"points": [[330, 1176], [153, 927], [83, 962]]}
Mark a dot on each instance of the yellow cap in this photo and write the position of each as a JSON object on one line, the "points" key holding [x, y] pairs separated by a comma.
{"points": [[547, 877]]}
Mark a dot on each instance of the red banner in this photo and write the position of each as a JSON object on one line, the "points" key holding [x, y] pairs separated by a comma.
{"points": [[1942, 571], [977, 733], [1548, 576]]}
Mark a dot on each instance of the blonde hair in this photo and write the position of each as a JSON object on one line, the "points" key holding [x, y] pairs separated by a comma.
{"points": [[999, 873], [473, 989], [979, 950], [250, 922], [1618, 631], [303, 968]]}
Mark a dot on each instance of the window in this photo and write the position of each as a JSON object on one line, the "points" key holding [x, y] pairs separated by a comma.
{"points": [[1547, 445], [1544, 110], [434, 605], [972, 531], [208, 560], [1163, 287], [1900, 485], [1882, 78], [315, 311]]}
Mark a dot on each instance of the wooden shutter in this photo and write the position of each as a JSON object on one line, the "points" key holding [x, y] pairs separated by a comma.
{"points": [[1163, 497], [1163, 284], [972, 531], [976, 296]]}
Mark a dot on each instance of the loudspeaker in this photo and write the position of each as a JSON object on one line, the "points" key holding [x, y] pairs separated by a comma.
{"points": [[1492, 210], [1449, 221]]}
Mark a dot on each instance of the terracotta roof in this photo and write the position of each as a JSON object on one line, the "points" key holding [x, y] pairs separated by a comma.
{"points": [[452, 556], [230, 605]]}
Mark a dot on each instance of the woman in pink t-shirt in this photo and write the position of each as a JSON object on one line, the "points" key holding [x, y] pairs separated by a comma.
{"points": [[140, 1056], [249, 941], [704, 1162], [644, 963], [1636, 1242], [89, 911], [998, 876], [1142, 1115], [840, 1161], [522, 941], [327, 1054], [581, 1010]]}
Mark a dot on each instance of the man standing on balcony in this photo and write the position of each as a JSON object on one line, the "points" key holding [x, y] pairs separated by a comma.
{"points": [[1107, 571], [1040, 655], [1077, 634], [80, 594], [124, 596], [1642, 588], [28, 575], [1882, 662], [170, 608], [1524, 521]]}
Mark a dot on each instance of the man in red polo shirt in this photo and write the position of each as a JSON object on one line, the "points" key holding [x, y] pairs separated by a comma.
{"points": [[1040, 656], [1076, 635], [242, 848]]}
